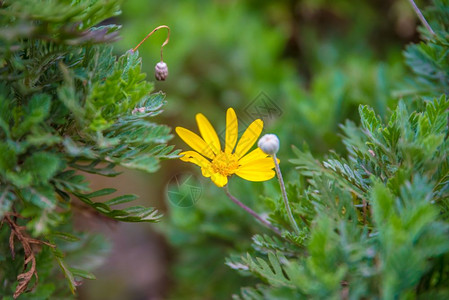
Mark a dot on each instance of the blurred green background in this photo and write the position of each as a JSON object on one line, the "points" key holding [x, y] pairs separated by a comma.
{"points": [[301, 66]]}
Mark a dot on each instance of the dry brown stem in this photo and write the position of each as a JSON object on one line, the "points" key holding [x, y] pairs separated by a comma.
{"points": [[19, 233]]}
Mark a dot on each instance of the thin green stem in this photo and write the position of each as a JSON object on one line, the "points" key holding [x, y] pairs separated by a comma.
{"points": [[250, 211], [284, 195], [421, 17]]}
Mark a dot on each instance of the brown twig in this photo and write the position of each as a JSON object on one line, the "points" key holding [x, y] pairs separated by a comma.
{"points": [[30, 260]]}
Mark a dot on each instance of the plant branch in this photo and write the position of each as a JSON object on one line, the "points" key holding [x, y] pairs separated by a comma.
{"points": [[250, 211], [284, 195], [421, 17]]}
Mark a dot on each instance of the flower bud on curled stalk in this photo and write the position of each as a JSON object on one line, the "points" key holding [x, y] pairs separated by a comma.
{"points": [[161, 69]]}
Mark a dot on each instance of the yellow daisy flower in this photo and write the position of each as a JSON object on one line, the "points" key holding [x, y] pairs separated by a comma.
{"points": [[218, 164]]}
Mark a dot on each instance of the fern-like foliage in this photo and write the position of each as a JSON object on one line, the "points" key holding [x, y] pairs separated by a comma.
{"points": [[67, 104]]}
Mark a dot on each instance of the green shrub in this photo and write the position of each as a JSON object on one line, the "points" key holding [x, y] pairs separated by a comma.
{"points": [[67, 104]]}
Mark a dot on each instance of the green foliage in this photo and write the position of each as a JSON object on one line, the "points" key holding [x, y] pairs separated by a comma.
{"points": [[379, 226], [374, 221], [67, 105], [316, 60]]}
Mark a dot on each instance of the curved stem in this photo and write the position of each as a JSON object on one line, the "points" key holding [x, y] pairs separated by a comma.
{"points": [[250, 211], [284, 195], [154, 30], [421, 17]]}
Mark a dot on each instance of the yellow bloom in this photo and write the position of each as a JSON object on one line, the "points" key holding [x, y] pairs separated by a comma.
{"points": [[219, 164]]}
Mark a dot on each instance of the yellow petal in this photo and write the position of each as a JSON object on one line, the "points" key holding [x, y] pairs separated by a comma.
{"points": [[194, 141], [232, 130], [206, 171], [194, 157], [253, 155], [208, 133], [257, 170], [255, 175], [199, 160], [219, 180], [262, 164], [249, 137]]}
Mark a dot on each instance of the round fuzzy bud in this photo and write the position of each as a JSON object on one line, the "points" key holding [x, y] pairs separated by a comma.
{"points": [[269, 144], [161, 71]]}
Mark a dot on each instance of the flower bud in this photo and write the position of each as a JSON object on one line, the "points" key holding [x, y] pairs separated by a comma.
{"points": [[269, 144], [161, 71]]}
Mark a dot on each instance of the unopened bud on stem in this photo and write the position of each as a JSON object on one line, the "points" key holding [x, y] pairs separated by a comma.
{"points": [[269, 144]]}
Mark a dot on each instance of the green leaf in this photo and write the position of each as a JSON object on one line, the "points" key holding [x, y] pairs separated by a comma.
{"points": [[82, 273], [74, 150], [65, 236], [102, 192], [383, 203], [129, 214], [8, 157], [67, 273], [36, 112], [43, 166], [93, 168], [42, 196], [272, 272], [121, 199]]}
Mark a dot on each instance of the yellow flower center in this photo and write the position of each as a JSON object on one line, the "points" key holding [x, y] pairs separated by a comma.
{"points": [[225, 163]]}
